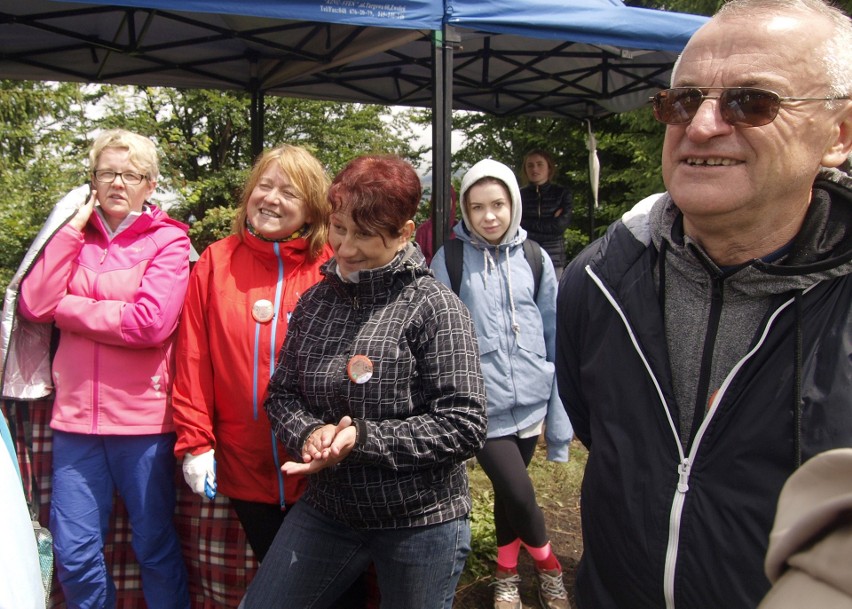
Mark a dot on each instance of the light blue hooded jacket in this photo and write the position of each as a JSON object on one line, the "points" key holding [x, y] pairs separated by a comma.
{"points": [[515, 331]]}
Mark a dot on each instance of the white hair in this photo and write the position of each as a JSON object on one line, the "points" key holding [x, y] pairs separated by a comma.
{"points": [[836, 51]]}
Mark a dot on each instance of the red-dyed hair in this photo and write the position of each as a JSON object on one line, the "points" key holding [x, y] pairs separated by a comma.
{"points": [[380, 193]]}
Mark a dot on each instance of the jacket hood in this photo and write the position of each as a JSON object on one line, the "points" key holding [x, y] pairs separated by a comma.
{"points": [[821, 250], [493, 169], [514, 236]]}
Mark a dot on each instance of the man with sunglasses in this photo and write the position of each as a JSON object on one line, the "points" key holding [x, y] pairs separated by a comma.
{"points": [[703, 345]]}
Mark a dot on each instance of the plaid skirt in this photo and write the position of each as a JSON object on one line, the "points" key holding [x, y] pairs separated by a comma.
{"points": [[218, 558]]}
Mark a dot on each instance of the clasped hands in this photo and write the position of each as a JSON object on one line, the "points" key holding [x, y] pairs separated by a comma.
{"points": [[326, 446]]}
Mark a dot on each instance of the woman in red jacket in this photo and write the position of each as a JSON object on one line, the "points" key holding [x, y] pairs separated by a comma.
{"points": [[241, 294]]}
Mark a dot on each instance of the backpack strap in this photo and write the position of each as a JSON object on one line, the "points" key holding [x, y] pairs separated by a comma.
{"points": [[532, 252], [454, 257]]}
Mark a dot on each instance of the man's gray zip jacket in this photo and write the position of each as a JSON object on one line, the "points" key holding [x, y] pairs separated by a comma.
{"points": [[677, 508]]}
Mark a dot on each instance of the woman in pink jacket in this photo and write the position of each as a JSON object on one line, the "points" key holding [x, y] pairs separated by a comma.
{"points": [[113, 280]]}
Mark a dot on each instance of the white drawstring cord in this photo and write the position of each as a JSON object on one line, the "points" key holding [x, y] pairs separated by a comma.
{"points": [[489, 263], [516, 328]]}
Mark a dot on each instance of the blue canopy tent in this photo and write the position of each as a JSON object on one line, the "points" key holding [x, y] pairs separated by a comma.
{"points": [[579, 59], [600, 22], [570, 58]]}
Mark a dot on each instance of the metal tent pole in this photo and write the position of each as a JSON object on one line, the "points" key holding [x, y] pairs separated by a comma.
{"points": [[442, 125]]}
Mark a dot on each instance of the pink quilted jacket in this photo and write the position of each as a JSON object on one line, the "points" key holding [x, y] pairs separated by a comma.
{"points": [[116, 304]]}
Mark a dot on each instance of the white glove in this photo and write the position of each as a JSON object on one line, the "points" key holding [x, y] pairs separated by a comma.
{"points": [[198, 469]]}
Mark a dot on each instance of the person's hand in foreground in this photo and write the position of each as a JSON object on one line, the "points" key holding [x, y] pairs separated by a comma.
{"points": [[326, 446]]}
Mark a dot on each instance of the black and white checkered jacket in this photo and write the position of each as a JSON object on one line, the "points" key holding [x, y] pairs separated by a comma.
{"points": [[420, 415]]}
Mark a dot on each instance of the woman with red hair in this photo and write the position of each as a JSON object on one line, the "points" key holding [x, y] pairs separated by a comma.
{"points": [[379, 397]]}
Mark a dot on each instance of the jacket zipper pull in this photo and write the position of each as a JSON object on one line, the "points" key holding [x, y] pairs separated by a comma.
{"points": [[104, 255], [683, 476]]}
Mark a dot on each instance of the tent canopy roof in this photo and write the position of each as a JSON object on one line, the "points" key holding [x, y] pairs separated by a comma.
{"points": [[540, 57]]}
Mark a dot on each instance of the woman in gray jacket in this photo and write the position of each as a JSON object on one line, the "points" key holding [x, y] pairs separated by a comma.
{"points": [[515, 325]]}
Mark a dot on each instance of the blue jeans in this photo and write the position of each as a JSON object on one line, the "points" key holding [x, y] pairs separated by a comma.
{"points": [[86, 471], [314, 559]]}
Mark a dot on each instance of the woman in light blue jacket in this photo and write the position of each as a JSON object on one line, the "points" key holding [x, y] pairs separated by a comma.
{"points": [[515, 324]]}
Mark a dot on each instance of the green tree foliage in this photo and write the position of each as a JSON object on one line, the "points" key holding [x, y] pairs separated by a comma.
{"points": [[41, 121], [204, 138], [215, 225], [696, 7], [628, 148], [43, 138]]}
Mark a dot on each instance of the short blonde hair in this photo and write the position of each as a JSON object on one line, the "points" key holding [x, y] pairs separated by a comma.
{"points": [[309, 179], [143, 153]]}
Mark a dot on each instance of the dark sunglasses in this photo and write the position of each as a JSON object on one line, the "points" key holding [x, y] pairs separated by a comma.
{"points": [[740, 106]]}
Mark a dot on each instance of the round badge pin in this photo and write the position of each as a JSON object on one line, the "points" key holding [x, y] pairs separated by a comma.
{"points": [[359, 369], [262, 310]]}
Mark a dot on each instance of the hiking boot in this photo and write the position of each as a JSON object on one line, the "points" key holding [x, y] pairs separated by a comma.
{"points": [[551, 590], [506, 595]]}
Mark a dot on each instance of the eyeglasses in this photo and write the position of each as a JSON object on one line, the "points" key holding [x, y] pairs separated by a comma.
{"points": [[740, 106], [105, 176]]}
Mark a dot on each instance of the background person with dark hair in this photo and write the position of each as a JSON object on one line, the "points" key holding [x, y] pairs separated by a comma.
{"points": [[546, 207]]}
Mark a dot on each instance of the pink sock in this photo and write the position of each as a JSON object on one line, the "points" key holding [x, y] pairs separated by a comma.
{"points": [[545, 559], [507, 556]]}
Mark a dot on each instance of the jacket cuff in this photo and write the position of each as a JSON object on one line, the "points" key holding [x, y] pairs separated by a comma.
{"points": [[360, 432], [557, 453]]}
